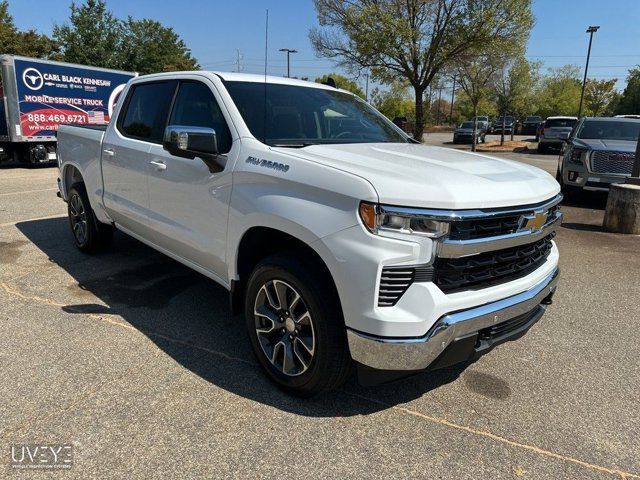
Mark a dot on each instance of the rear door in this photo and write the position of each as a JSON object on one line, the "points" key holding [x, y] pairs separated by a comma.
{"points": [[125, 155], [189, 204]]}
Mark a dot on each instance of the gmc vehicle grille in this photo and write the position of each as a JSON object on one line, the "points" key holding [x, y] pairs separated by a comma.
{"points": [[491, 268], [617, 163]]}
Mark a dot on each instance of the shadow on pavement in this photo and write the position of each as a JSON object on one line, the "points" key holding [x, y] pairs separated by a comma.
{"points": [[187, 316]]}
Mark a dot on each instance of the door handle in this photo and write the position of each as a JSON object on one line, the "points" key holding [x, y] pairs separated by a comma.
{"points": [[109, 152], [159, 165]]}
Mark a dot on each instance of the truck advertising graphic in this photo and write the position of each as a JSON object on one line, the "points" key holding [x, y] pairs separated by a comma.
{"points": [[51, 94], [40, 95]]}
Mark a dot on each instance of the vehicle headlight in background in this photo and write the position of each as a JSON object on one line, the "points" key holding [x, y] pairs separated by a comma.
{"points": [[577, 155], [379, 221]]}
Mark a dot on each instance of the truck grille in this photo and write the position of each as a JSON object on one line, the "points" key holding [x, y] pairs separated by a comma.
{"points": [[490, 227], [491, 268], [619, 163], [394, 281]]}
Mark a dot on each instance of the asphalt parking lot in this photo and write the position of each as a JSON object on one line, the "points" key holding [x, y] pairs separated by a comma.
{"points": [[134, 360]]}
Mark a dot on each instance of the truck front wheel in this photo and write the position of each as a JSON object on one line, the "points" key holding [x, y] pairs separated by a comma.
{"points": [[295, 325], [89, 234]]}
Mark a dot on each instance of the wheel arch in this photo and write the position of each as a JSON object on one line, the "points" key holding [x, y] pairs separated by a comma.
{"points": [[70, 174], [259, 242]]}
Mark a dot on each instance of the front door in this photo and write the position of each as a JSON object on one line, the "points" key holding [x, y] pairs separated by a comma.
{"points": [[189, 205], [125, 155]]}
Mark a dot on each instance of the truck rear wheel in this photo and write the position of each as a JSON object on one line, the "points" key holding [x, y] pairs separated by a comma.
{"points": [[89, 234], [296, 327]]}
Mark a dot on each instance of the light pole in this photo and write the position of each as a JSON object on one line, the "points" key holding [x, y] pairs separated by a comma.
{"points": [[591, 30], [289, 52]]}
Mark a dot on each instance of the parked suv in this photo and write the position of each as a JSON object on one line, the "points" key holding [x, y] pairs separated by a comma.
{"points": [[464, 133], [554, 131], [599, 152], [341, 240], [497, 125], [530, 125]]}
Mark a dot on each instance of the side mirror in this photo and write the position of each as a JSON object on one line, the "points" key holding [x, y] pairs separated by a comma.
{"points": [[192, 142], [564, 136]]}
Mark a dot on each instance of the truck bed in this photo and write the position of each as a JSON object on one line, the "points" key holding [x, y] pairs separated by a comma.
{"points": [[80, 146]]}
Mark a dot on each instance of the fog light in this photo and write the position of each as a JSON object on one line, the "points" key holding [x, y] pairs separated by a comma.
{"points": [[573, 176]]}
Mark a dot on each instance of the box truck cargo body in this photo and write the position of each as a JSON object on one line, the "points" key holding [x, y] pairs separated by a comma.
{"points": [[39, 95]]}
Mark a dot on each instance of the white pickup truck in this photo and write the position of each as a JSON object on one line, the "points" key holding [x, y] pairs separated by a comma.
{"points": [[342, 241]]}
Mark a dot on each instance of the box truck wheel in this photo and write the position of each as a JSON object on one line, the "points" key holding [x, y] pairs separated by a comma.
{"points": [[296, 327], [89, 234]]}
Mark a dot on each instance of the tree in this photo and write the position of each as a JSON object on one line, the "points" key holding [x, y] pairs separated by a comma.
{"points": [[476, 75], [516, 88], [93, 36], [629, 103], [394, 102], [560, 91], [28, 43], [150, 47], [413, 40], [342, 82], [600, 96]]}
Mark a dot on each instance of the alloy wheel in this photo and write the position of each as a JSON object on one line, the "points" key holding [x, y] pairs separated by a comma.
{"points": [[78, 217], [284, 327]]}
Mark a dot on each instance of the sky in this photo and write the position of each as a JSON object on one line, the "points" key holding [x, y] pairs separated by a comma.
{"points": [[216, 30]]}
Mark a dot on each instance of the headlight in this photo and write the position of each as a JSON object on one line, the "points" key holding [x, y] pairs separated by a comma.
{"points": [[378, 221], [576, 155]]}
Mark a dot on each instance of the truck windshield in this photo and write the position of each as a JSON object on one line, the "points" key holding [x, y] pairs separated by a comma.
{"points": [[300, 116], [609, 130]]}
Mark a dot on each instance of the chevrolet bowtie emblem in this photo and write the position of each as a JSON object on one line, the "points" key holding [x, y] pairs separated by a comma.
{"points": [[534, 221]]}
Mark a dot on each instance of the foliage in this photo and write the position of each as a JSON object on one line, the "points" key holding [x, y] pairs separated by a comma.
{"points": [[516, 87], [94, 36], [559, 92], [629, 103], [414, 40], [28, 43], [342, 82], [150, 47], [464, 107], [394, 102], [600, 97]]}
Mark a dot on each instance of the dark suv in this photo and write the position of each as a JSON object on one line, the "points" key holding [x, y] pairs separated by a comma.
{"points": [[530, 125], [600, 151], [496, 126]]}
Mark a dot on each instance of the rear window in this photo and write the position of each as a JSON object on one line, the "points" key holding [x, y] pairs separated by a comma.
{"points": [[533, 119], [466, 125], [561, 122], [146, 111]]}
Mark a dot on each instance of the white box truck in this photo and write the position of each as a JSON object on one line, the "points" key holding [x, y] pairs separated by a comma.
{"points": [[39, 95]]}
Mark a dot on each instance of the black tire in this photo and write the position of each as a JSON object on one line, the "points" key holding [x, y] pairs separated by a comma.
{"points": [[88, 233], [322, 332], [542, 148]]}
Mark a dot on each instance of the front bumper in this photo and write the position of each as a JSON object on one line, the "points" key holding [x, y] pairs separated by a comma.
{"points": [[456, 336], [579, 176]]}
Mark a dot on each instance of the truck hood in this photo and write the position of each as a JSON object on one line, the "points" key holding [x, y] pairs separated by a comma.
{"points": [[627, 146], [435, 177]]}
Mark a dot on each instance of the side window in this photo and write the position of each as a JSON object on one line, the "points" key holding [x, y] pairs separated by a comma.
{"points": [[146, 111], [195, 106]]}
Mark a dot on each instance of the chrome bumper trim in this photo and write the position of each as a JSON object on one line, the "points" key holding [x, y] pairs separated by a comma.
{"points": [[418, 353], [453, 215], [462, 248]]}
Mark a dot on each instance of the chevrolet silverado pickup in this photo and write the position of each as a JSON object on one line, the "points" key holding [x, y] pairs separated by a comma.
{"points": [[342, 241]]}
